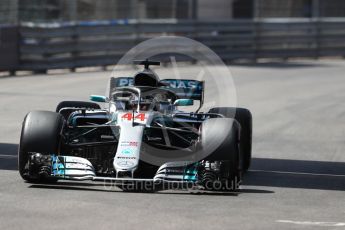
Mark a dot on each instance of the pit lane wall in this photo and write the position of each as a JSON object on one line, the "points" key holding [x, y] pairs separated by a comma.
{"points": [[100, 43]]}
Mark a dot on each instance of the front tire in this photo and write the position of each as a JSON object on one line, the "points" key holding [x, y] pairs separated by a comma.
{"points": [[244, 117], [220, 137], [40, 133]]}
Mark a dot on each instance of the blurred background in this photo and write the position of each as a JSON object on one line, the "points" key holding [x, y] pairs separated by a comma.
{"points": [[40, 35], [14, 11]]}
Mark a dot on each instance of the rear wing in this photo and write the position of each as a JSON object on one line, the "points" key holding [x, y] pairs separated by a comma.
{"points": [[183, 88]]}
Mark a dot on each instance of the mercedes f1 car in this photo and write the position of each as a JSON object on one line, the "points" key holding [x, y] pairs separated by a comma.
{"points": [[142, 138]]}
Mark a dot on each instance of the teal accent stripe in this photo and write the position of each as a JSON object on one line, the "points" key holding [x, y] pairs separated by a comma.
{"points": [[191, 173], [58, 168]]}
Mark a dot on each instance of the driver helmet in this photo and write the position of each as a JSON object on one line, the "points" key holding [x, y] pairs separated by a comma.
{"points": [[146, 78]]}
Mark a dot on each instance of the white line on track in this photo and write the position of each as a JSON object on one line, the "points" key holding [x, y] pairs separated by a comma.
{"points": [[313, 223], [8, 156], [298, 173]]}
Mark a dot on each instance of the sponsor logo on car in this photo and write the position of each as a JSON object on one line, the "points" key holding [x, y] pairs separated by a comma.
{"points": [[127, 151], [129, 144], [125, 163], [182, 84], [124, 81], [126, 158]]}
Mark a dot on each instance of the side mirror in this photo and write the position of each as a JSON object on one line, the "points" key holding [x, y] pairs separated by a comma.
{"points": [[98, 98], [184, 102]]}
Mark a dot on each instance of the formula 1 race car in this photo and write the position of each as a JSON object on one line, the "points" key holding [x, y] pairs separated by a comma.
{"points": [[142, 141]]}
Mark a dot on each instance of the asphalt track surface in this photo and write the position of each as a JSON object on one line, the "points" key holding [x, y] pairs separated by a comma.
{"points": [[297, 178]]}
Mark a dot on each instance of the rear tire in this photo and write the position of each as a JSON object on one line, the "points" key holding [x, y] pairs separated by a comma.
{"points": [[40, 133], [244, 117]]}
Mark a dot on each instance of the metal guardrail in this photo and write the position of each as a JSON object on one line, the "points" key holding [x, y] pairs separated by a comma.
{"points": [[51, 46], [9, 54]]}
